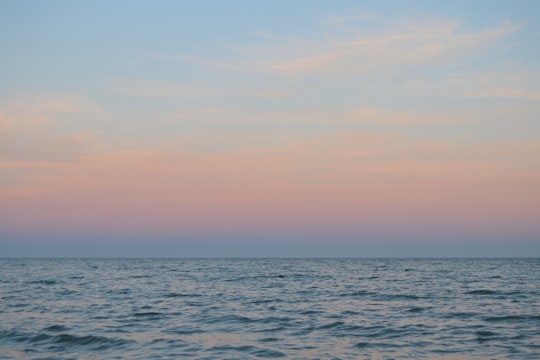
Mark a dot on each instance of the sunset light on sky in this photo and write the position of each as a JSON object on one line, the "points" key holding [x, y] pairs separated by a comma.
{"points": [[293, 128]]}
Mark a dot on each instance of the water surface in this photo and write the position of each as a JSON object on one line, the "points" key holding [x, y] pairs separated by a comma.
{"points": [[269, 308]]}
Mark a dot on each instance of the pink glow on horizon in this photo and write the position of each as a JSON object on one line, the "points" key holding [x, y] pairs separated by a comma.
{"points": [[133, 192]]}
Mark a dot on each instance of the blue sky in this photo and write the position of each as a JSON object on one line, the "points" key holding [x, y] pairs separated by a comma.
{"points": [[343, 125]]}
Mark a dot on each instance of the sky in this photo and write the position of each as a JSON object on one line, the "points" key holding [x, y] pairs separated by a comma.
{"points": [[279, 128]]}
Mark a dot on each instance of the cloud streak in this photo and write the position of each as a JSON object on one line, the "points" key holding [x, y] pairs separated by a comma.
{"points": [[409, 45], [32, 129], [420, 43]]}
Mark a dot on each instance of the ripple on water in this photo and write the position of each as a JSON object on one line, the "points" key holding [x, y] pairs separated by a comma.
{"points": [[179, 295], [43, 282], [151, 314], [66, 340], [513, 318], [247, 349], [482, 292], [56, 328], [184, 331]]}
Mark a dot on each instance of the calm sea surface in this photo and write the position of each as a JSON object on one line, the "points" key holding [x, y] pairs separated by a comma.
{"points": [[269, 308]]}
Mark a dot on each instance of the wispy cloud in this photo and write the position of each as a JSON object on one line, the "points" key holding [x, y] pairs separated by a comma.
{"points": [[357, 16], [507, 93], [409, 43], [418, 44], [322, 116], [40, 145], [166, 90], [193, 59], [512, 83], [33, 128], [46, 104], [377, 115]]}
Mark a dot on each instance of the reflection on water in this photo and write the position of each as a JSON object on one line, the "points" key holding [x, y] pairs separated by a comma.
{"points": [[269, 308]]}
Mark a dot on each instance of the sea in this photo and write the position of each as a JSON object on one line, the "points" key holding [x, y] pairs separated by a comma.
{"points": [[270, 308]]}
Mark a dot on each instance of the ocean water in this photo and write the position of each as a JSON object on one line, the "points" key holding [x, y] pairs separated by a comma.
{"points": [[269, 308]]}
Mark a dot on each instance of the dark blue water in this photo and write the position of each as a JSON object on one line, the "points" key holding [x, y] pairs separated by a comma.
{"points": [[269, 308]]}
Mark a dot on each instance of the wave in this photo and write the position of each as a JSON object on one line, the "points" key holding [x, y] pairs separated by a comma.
{"points": [[56, 328], [148, 314], [511, 318], [175, 295], [482, 292], [249, 349], [43, 282], [88, 342]]}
